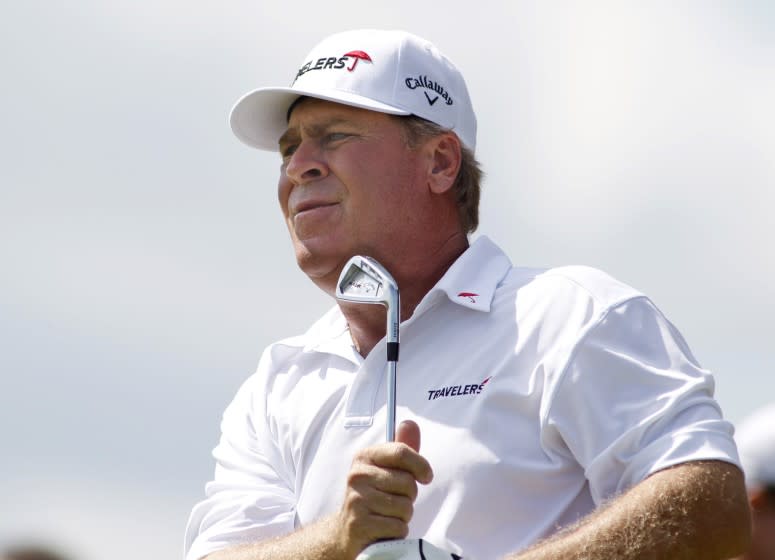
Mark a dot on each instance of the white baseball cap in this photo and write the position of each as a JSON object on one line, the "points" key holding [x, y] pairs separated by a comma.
{"points": [[755, 439], [392, 72]]}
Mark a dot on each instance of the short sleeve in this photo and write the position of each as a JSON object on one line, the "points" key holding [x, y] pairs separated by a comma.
{"points": [[632, 400], [251, 496]]}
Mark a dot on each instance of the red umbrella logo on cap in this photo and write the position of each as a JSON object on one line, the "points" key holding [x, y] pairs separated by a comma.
{"points": [[357, 55]]}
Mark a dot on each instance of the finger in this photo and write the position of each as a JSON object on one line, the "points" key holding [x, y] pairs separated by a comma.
{"points": [[378, 528], [400, 457], [408, 432], [385, 504], [364, 478], [359, 526]]}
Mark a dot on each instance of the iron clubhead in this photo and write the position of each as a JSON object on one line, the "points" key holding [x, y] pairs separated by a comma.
{"points": [[364, 280]]}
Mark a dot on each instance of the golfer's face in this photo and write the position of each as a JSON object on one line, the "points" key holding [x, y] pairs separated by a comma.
{"points": [[346, 184]]}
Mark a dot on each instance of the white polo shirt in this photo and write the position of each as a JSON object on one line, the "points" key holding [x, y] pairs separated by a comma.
{"points": [[539, 394]]}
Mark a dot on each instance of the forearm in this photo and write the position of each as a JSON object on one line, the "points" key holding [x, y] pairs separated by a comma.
{"points": [[312, 542], [692, 511]]}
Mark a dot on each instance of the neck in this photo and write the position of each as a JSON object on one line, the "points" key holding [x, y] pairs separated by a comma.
{"points": [[415, 278]]}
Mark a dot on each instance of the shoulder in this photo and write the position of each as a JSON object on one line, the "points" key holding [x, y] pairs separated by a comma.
{"points": [[588, 290], [585, 281], [488, 268]]}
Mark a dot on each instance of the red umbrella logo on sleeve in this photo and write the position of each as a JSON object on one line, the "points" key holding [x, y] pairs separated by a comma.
{"points": [[357, 55]]}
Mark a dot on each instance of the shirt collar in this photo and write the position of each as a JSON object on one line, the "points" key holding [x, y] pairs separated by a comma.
{"points": [[472, 279], [470, 282]]}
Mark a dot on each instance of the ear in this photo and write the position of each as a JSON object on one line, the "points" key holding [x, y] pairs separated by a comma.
{"points": [[445, 157]]}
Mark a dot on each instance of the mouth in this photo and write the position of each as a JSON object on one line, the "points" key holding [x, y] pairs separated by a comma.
{"points": [[309, 207]]}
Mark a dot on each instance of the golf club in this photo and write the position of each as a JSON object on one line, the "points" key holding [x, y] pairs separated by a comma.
{"points": [[364, 280]]}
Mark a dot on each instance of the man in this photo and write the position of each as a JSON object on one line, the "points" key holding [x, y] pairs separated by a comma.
{"points": [[756, 441], [561, 415]]}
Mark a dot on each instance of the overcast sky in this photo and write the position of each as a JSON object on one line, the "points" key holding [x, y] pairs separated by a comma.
{"points": [[144, 264]]}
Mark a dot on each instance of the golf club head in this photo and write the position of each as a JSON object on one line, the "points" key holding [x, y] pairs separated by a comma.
{"points": [[364, 280]]}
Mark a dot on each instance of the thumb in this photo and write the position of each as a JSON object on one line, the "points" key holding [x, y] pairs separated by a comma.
{"points": [[408, 432]]}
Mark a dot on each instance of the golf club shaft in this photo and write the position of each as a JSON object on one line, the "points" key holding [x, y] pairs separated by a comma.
{"points": [[391, 401]]}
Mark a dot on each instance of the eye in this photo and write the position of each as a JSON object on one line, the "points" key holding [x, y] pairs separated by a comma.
{"points": [[335, 136], [287, 151]]}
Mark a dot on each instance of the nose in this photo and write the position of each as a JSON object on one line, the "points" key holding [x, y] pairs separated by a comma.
{"points": [[306, 163]]}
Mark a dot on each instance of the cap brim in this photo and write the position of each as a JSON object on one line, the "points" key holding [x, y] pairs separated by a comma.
{"points": [[259, 118]]}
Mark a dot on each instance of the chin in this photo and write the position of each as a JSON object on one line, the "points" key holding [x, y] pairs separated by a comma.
{"points": [[322, 268]]}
